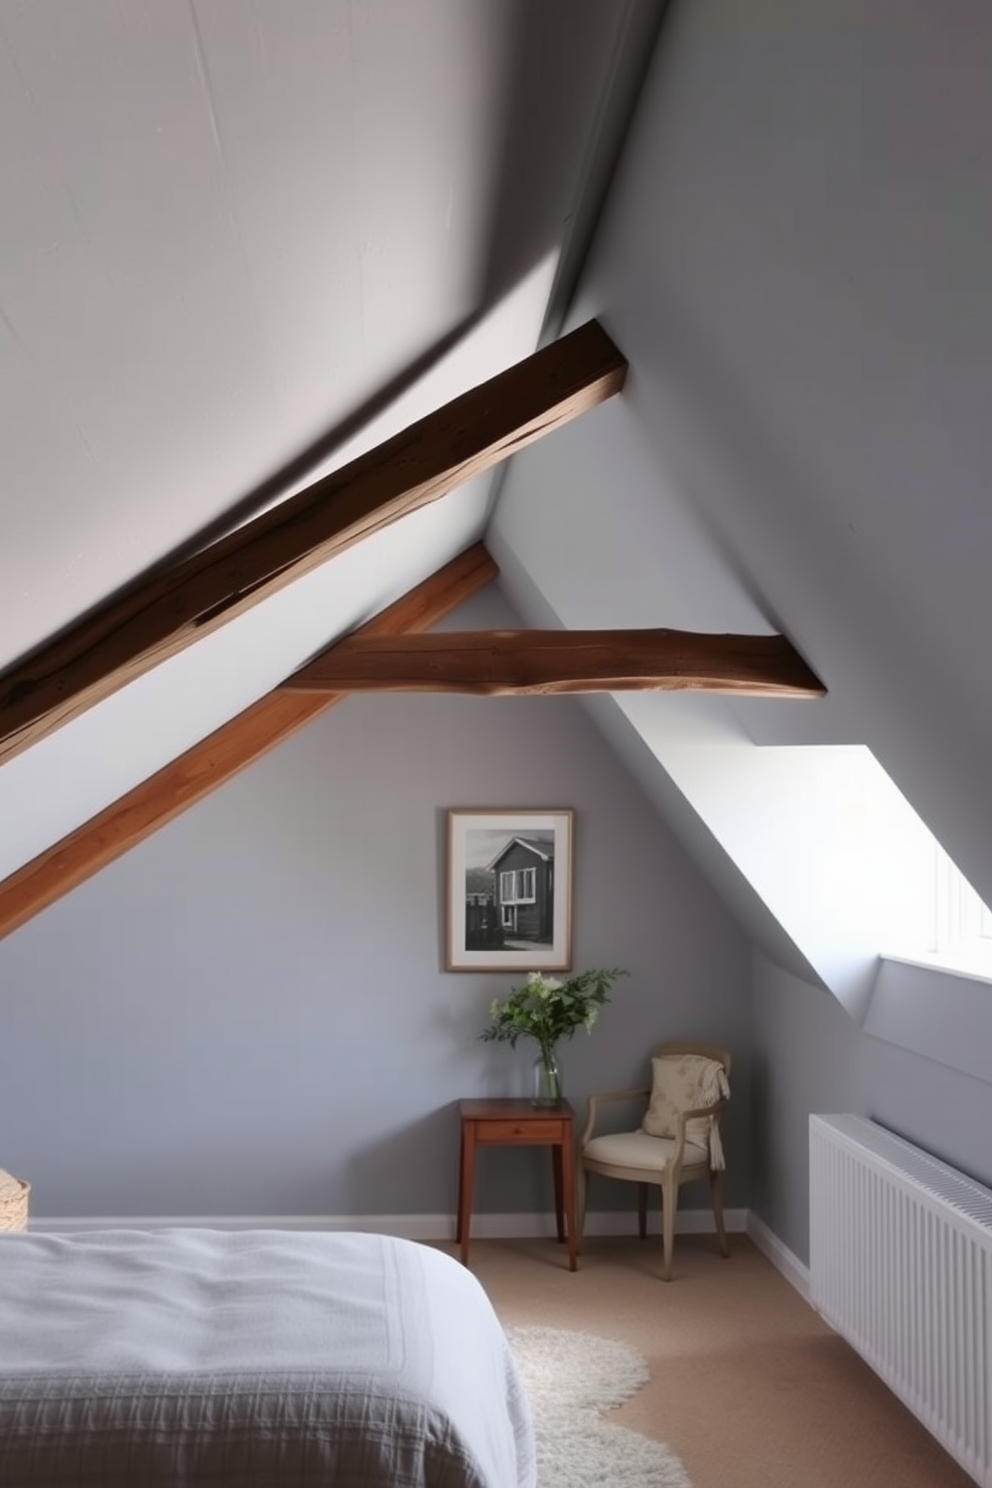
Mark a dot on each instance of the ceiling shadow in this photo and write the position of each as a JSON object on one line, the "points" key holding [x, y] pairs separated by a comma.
{"points": [[574, 71], [571, 74]]}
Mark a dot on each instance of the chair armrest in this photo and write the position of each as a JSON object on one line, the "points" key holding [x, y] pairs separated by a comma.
{"points": [[686, 1116], [601, 1098], [713, 1110]]}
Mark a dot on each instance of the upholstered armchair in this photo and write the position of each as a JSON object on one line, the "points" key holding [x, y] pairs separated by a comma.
{"points": [[677, 1142]]}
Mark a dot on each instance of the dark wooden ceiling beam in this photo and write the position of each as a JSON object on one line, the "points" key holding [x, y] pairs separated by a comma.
{"points": [[558, 661], [159, 617], [220, 756]]}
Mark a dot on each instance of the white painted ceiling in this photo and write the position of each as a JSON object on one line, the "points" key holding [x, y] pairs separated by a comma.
{"points": [[243, 241]]}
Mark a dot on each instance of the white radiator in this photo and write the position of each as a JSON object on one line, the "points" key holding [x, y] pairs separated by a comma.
{"points": [[901, 1267]]}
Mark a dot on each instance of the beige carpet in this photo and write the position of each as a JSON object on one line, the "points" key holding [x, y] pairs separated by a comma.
{"points": [[748, 1386]]}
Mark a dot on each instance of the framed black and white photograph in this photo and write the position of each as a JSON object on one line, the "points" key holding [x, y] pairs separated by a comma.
{"points": [[509, 890]]}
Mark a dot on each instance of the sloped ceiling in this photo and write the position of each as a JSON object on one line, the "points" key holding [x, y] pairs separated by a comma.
{"points": [[248, 242], [794, 259], [244, 242]]}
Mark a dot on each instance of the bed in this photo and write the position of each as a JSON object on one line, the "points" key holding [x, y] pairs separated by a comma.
{"points": [[193, 1358]]}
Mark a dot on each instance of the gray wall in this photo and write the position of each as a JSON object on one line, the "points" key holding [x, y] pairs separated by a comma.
{"points": [[247, 1015], [810, 1056]]}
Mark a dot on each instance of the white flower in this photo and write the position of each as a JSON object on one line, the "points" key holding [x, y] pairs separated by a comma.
{"points": [[541, 985]]}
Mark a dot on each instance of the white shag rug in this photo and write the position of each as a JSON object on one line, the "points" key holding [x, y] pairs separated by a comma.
{"points": [[571, 1378]]}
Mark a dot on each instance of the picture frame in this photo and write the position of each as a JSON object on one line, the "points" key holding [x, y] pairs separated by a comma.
{"points": [[508, 889]]}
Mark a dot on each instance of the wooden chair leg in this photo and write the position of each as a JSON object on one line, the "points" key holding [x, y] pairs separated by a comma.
{"points": [[581, 1182], [716, 1197], [642, 1210], [668, 1201]]}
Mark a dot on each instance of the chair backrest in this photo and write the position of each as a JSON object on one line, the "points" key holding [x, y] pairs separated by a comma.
{"points": [[708, 1051], [658, 1120]]}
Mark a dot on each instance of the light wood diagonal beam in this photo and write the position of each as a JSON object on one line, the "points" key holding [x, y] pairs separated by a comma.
{"points": [[213, 761], [560, 661], [157, 618]]}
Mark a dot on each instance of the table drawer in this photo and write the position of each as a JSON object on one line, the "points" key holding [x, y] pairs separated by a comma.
{"points": [[545, 1129]]}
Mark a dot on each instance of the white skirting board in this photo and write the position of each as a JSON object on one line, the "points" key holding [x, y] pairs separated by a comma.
{"points": [[407, 1226], [781, 1257]]}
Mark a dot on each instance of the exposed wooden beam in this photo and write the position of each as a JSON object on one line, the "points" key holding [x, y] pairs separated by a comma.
{"points": [[215, 759], [159, 617], [559, 661]]}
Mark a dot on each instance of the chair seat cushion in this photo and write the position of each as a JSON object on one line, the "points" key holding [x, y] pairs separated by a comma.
{"points": [[638, 1150]]}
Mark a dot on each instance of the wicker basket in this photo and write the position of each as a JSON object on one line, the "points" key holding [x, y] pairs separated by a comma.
{"points": [[13, 1202]]}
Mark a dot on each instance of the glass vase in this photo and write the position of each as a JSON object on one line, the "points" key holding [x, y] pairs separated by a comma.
{"points": [[546, 1089]]}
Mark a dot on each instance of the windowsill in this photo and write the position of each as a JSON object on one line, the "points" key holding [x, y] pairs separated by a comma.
{"points": [[978, 969]]}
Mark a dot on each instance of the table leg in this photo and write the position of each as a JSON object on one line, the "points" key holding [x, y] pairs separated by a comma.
{"points": [[461, 1186], [556, 1166], [568, 1201], [466, 1179]]}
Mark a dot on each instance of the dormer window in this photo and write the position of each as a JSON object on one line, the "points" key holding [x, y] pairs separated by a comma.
{"points": [[962, 923]]}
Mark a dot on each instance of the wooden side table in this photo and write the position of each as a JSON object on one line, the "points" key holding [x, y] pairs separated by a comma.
{"points": [[519, 1123]]}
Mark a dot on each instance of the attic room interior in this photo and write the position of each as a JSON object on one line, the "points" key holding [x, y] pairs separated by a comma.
{"points": [[423, 408]]}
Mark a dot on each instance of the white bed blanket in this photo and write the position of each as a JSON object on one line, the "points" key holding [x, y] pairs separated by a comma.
{"points": [[193, 1358]]}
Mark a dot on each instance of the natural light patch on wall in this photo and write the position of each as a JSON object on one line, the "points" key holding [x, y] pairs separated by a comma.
{"points": [[833, 848]]}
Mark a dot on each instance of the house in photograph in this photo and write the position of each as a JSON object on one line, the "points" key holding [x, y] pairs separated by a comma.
{"points": [[524, 880], [341, 342]]}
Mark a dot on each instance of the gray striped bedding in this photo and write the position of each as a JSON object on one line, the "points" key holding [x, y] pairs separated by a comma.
{"points": [[192, 1358]]}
